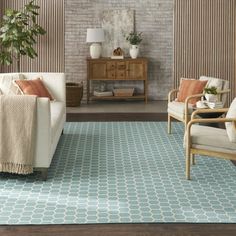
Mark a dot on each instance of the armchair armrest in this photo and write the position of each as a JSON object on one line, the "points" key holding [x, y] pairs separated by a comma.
{"points": [[171, 93], [208, 120], [186, 106], [223, 91], [192, 96], [198, 111]]}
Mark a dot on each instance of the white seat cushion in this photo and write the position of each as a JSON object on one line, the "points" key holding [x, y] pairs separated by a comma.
{"points": [[178, 109], [209, 138], [57, 111], [230, 126]]}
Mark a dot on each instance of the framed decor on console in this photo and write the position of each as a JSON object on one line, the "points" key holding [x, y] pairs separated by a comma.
{"points": [[116, 24]]}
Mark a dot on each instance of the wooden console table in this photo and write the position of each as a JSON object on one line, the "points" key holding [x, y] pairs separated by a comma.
{"points": [[106, 69]]}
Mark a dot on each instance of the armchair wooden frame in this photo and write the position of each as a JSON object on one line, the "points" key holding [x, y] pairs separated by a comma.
{"points": [[190, 151], [171, 97]]}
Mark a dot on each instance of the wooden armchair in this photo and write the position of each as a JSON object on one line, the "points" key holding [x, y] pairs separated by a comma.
{"points": [[182, 111], [208, 141]]}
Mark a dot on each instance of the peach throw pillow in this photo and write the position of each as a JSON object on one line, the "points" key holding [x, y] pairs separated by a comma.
{"points": [[33, 87], [190, 87]]}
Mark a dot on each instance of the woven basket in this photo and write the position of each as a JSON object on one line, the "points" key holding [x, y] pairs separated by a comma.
{"points": [[74, 94]]}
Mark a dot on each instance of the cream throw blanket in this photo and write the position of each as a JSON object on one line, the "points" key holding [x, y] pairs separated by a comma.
{"points": [[17, 133]]}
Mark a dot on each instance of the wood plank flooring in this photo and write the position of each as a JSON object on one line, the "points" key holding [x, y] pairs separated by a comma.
{"points": [[121, 230]]}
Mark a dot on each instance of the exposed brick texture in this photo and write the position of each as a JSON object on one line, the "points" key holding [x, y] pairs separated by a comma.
{"points": [[152, 17]]}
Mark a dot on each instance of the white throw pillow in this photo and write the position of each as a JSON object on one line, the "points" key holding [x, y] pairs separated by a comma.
{"points": [[230, 126], [218, 83], [7, 84]]}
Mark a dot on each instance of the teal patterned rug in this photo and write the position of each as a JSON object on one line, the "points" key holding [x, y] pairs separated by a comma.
{"points": [[121, 172]]}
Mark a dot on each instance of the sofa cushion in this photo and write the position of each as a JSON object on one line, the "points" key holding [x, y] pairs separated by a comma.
{"points": [[190, 87], [211, 138], [33, 87], [231, 126], [57, 111], [7, 85], [178, 109]]}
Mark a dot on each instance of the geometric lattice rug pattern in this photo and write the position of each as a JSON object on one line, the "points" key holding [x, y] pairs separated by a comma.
{"points": [[121, 172]]}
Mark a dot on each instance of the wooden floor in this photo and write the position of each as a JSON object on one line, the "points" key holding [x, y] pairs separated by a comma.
{"points": [[122, 230], [118, 111], [154, 111]]}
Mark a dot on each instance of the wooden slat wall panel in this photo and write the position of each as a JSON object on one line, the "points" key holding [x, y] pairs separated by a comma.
{"points": [[50, 47], [204, 40]]}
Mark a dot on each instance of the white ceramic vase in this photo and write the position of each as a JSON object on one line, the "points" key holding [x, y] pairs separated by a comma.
{"points": [[211, 97], [134, 51]]}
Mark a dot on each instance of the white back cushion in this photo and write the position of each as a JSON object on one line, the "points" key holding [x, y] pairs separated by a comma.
{"points": [[220, 84], [216, 82], [6, 83], [231, 126], [55, 82]]}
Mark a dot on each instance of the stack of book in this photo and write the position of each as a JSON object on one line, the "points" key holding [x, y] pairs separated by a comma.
{"points": [[103, 94], [214, 105]]}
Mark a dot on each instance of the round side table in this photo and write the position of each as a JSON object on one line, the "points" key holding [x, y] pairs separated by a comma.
{"points": [[210, 115]]}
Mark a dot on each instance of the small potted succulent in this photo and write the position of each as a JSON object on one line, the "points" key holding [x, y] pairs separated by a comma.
{"points": [[210, 94], [134, 38]]}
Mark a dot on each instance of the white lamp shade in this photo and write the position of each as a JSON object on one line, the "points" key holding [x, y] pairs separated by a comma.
{"points": [[95, 35]]}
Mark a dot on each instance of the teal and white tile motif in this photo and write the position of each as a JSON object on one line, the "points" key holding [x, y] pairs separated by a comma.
{"points": [[121, 172]]}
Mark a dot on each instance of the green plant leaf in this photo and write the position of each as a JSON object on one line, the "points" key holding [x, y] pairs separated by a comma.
{"points": [[18, 33]]}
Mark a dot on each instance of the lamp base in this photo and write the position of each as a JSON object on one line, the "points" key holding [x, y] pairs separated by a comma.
{"points": [[95, 50]]}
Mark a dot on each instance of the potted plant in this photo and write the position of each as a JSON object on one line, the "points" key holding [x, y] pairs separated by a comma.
{"points": [[134, 38], [210, 94], [18, 33]]}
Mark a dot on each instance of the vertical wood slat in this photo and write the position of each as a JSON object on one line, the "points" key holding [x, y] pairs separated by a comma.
{"points": [[50, 47], [204, 40]]}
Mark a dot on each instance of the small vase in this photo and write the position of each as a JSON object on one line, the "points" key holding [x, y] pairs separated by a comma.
{"points": [[211, 97], [134, 51]]}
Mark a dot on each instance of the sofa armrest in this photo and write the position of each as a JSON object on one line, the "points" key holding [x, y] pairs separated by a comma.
{"points": [[43, 134]]}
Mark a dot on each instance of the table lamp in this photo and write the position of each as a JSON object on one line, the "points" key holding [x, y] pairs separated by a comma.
{"points": [[95, 36]]}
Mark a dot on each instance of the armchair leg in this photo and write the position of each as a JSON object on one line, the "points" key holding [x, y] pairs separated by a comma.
{"points": [[193, 161], [185, 124], [188, 158], [62, 132], [169, 124]]}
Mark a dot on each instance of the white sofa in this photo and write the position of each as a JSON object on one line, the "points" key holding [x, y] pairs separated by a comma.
{"points": [[51, 117]]}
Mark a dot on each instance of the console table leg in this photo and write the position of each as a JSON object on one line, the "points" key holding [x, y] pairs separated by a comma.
{"points": [[145, 91], [88, 90]]}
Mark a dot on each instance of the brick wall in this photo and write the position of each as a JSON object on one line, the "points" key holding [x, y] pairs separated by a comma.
{"points": [[152, 17]]}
